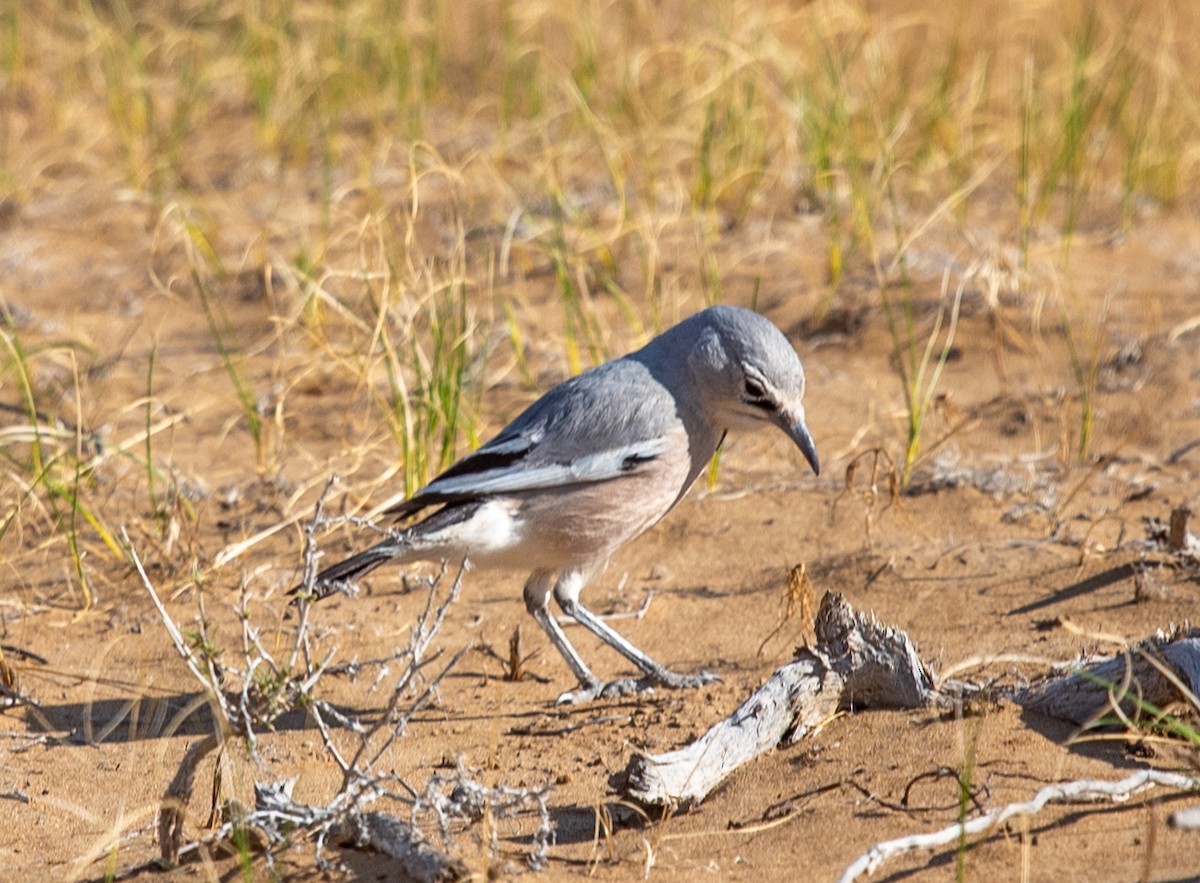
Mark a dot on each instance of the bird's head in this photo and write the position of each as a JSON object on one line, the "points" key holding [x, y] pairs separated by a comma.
{"points": [[749, 375]]}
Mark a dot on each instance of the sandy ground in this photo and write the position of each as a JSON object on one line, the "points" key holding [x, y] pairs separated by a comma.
{"points": [[1003, 541]]}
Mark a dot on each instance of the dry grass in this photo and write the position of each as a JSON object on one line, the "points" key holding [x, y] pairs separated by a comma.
{"points": [[392, 186], [414, 174]]}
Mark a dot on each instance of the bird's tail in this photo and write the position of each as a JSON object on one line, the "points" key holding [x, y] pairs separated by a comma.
{"points": [[338, 577]]}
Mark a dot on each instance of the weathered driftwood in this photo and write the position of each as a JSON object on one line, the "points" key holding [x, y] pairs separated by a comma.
{"points": [[1148, 674], [856, 663]]}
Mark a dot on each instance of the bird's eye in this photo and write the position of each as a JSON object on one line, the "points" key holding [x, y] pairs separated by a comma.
{"points": [[756, 390]]}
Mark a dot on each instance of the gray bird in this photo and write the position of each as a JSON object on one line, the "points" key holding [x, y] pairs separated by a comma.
{"points": [[594, 463]]}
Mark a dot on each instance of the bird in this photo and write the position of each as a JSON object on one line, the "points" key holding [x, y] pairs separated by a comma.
{"points": [[591, 465]]}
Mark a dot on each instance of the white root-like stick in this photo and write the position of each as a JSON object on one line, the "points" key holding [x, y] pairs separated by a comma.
{"points": [[1087, 790], [1185, 819], [856, 663]]}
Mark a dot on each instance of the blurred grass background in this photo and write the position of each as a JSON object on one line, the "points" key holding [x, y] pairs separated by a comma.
{"points": [[383, 207], [740, 108]]}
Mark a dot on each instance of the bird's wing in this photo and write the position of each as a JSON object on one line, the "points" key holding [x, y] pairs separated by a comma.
{"points": [[595, 427], [519, 475]]}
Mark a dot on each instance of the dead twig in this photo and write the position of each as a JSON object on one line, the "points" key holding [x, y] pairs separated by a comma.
{"points": [[1085, 791]]}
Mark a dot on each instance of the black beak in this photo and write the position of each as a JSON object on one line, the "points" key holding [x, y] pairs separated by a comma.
{"points": [[798, 432]]}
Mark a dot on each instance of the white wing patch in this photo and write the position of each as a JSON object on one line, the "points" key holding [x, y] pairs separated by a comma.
{"points": [[521, 476]]}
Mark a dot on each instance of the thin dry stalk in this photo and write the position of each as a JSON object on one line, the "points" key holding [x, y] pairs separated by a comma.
{"points": [[880, 458], [1085, 791], [801, 596]]}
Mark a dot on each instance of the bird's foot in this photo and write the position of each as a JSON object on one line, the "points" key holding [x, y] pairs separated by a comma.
{"points": [[635, 686]]}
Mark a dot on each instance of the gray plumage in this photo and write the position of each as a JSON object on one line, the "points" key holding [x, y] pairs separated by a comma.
{"points": [[594, 463]]}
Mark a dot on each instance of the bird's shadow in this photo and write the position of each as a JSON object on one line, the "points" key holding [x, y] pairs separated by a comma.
{"points": [[138, 718], [1114, 752], [1078, 589]]}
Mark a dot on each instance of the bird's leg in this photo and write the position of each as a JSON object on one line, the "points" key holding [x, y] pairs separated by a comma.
{"points": [[566, 593], [537, 597]]}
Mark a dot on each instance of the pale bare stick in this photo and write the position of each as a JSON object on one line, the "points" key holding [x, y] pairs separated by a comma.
{"points": [[1185, 819], [857, 662], [1084, 791]]}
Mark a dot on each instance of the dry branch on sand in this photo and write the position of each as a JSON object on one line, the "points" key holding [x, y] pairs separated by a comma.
{"points": [[275, 815], [859, 663], [1148, 677], [247, 696], [856, 663]]}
